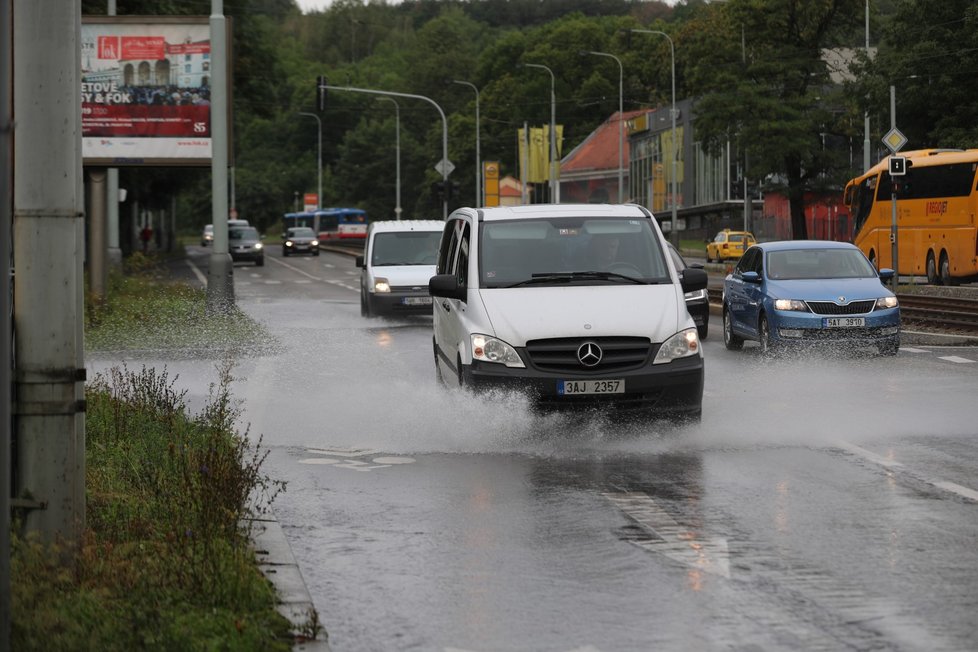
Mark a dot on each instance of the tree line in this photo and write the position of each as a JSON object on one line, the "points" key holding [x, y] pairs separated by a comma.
{"points": [[755, 68]]}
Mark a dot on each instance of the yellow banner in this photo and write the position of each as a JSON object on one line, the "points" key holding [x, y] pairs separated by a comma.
{"points": [[536, 160]]}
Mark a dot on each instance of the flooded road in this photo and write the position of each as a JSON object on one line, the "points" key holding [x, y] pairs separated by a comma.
{"points": [[823, 503]]}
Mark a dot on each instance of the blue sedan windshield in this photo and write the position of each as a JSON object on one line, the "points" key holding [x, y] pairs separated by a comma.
{"points": [[818, 264]]}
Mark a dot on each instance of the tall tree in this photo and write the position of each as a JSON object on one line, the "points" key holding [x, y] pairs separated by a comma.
{"points": [[756, 69]]}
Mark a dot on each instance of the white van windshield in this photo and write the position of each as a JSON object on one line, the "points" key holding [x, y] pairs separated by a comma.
{"points": [[551, 251]]}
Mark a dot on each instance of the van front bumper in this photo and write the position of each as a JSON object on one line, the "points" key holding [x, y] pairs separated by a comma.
{"points": [[671, 389]]}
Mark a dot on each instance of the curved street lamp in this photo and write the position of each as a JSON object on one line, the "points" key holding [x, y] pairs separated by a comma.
{"points": [[621, 122], [397, 149], [674, 231], [478, 155], [554, 183]]}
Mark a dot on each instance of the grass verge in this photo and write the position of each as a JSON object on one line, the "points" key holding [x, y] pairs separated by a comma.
{"points": [[144, 310], [165, 562]]}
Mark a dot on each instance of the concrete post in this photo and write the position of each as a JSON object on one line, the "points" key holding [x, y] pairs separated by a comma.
{"points": [[6, 217], [97, 244], [48, 281]]}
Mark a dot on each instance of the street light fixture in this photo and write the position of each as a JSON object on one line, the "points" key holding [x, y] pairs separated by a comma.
{"points": [[319, 159], [554, 183], [621, 122], [478, 154], [674, 231], [397, 147]]}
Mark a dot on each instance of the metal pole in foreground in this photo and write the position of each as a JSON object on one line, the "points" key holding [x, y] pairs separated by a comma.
{"points": [[220, 281], [319, 159], [866, 158], [6, 216]]}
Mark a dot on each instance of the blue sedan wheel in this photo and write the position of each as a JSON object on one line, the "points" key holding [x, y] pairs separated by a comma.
{"points": [[764, 332], [731, 341]]}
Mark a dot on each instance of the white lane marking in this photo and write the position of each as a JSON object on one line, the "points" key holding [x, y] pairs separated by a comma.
{"points": [[872, 457], [910, 349], [343, 285], [950, 487], [273, 282], [393, 460], [319, 460], [956, 359], [302, 280], [343, 452], [955, 488], [295, 269], [196, 270], [675, 542]]}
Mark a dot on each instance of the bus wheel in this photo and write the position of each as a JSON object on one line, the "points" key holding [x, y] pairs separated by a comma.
{"points": [[946, 270], [932, 276]]}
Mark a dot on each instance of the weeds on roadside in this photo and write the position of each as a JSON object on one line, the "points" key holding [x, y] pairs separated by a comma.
{"points": [[165, 563]]}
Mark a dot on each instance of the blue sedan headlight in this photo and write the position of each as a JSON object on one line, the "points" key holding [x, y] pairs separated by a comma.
{"points": [[887, 302], [790, 304]]}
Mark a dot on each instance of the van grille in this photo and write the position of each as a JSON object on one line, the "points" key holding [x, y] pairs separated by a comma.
{"points": [[559, 355], [832, 308]]}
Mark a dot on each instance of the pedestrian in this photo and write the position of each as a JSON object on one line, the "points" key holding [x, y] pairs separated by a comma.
{"points": [[145, 236]]}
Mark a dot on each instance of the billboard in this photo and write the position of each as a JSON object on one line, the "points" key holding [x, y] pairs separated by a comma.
{"points": [[146, 90]]}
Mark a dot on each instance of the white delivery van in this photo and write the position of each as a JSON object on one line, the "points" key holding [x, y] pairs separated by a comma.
{"points": [[577, 305], [397, 262]]}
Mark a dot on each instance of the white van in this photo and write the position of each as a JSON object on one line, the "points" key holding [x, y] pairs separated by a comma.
{"points": [[397, 261], [578, 305]]}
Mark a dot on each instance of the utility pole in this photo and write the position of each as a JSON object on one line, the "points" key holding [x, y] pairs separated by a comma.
{"points": [[49, 232]]}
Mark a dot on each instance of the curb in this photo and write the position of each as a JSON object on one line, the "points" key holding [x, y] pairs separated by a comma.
{"points": [[276, 562]]}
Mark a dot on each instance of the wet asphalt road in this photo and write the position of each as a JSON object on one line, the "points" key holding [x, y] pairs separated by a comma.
{"points": [[824, 503]]}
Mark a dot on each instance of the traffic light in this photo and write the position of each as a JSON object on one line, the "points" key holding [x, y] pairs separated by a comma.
{"points": [[321, 83]]}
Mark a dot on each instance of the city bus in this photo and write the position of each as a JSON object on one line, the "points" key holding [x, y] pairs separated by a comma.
{"points": [[937, 204], [331, 223]]}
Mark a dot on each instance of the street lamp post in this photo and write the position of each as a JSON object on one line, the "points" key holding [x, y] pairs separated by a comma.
{"points": [[478, 154], [674, 232], [554, 183], [397, 147], [319, 159], [621, 121], [866, 157]]}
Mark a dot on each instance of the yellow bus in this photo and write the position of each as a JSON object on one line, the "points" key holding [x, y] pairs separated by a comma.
{"points": [[937, 204]]}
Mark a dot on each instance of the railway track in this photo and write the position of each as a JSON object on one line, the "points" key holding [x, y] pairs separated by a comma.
{"points": [[945, 314]]}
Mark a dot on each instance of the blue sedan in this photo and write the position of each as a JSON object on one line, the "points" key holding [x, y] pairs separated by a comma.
{"points": [[807, 292]]}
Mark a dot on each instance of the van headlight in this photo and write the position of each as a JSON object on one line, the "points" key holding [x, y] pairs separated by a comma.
{"points": [[381, 285], [681, 345], [491, 349]]}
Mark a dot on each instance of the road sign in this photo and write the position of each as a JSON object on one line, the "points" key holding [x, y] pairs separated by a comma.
{"points": [[444, 167], [894, 140]]}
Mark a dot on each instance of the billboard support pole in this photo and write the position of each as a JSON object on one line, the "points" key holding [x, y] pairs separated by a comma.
{"points": [[220, 280]]}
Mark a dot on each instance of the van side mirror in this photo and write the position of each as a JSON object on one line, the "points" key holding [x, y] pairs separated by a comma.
{"points": [[446, 286], [358, 261]]}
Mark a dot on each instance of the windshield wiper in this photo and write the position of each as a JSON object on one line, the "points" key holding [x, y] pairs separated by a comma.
{"points": [[567, 277]]}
